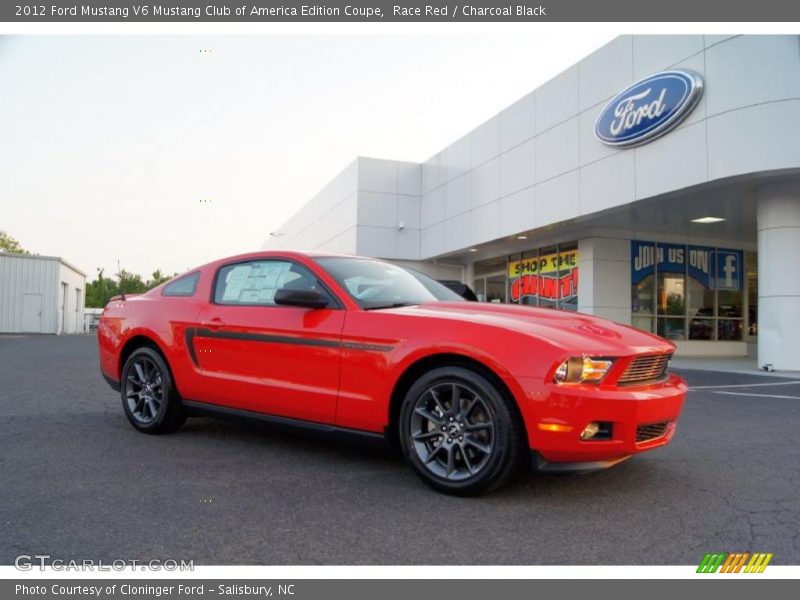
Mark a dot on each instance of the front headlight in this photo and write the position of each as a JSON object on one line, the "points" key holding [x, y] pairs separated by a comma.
{"points": [[582, 369]]}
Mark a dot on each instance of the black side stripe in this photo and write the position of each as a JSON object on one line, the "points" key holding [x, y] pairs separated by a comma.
{"points": [[192, 332], [189, 336], [367, 347]]}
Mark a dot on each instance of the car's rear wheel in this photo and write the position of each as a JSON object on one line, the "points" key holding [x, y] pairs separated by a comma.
{"points": [[458, 431], [149, 397]]}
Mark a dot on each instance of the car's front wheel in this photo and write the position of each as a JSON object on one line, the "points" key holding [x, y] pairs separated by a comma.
{"points": [[149, 397], [458, 431]]}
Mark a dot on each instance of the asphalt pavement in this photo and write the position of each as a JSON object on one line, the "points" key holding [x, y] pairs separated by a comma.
{"points": [[78, 482]]}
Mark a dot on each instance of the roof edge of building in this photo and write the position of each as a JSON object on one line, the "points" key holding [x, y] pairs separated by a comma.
{"points": [[43, 257]]}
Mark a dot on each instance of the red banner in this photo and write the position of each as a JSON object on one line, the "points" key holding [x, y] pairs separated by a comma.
{"points": [[546, 287]]}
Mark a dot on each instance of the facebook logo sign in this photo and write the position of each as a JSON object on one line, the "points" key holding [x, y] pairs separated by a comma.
{"points": [[729, 269]]}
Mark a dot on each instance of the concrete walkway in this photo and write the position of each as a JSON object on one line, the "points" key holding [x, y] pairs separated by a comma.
{"points": [[744, 365]]}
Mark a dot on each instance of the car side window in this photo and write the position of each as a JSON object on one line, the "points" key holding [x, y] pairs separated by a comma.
{"points": [[185, 286], [255, 282]]}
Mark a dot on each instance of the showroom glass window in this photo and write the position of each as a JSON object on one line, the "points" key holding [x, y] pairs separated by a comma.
{"points": [[671, 291], [490, 279], [686, 292], [643, 296], [546, 277], [751, 267]]}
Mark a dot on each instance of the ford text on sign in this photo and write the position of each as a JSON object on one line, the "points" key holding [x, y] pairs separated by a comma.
{"points": [[649, 108]]}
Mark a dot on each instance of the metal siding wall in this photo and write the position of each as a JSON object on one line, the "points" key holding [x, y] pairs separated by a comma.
{"points": [[19, 276], [74, 281]]}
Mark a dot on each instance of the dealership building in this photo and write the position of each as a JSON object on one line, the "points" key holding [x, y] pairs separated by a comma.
{"points": [[655, 183]]}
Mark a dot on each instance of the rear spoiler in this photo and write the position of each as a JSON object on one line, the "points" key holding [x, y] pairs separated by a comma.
{"points": [[119, 297]]}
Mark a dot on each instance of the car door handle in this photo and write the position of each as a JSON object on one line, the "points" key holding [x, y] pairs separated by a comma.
{"points": [[212, 324]]}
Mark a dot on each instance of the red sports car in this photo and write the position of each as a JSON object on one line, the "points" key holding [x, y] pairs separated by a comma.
{"points": [[344, 344]]}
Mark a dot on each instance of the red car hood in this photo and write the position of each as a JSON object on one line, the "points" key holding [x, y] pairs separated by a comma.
{"points": [[567, 330]]}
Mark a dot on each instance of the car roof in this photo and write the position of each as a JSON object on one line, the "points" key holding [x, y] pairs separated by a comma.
{"points": [[279, 253]]}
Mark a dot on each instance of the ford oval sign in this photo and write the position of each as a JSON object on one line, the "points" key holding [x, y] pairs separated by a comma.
{"points": [[649, 108]]}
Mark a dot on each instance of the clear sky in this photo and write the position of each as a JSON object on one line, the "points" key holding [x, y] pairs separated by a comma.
{"points": [[147, 150]]}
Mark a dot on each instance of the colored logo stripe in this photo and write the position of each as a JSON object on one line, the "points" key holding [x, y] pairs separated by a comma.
{"points": [[711, 563], [734, 562], [759, 561]]}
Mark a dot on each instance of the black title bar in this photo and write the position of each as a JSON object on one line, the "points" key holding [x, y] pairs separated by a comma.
{"points": [[399, 11]]}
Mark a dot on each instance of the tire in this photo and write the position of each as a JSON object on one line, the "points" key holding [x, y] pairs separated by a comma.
{"points": [[464, 449], [149, 397]]}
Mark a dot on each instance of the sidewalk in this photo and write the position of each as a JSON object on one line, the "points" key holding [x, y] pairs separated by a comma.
{"points": [[744, 365]]}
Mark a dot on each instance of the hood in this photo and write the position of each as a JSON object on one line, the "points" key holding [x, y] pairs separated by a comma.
{"points": [[570, 331]]}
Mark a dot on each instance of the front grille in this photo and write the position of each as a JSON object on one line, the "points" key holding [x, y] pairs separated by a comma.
{"points": [[645, 433], [645, 368]]}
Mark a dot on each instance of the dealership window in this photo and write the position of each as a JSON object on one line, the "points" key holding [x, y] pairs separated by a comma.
{"points": [[567, 277], [490, 279], [686, 292], [751, 265], [546, 277], [643, 298]]}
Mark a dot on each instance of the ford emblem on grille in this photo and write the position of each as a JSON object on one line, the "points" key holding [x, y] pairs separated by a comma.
{"points": [[649, 108]]}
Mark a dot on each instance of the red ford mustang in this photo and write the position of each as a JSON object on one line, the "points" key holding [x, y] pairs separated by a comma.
{"points": [[344, 344]]}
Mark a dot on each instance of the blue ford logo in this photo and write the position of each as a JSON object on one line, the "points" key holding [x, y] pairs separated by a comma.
{"points": [[649, 108]]}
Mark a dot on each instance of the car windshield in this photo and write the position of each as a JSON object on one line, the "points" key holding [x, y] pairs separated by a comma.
{"points": [[441, 291], [376, 285]]}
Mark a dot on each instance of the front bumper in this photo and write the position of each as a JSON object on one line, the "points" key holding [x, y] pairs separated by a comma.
{"points": [[555, 415]]}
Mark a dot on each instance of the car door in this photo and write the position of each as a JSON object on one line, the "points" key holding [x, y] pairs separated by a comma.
{"points": [[259, 356]]}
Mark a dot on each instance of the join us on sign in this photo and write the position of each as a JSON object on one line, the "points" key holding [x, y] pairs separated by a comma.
{"points": [[720, 268]]}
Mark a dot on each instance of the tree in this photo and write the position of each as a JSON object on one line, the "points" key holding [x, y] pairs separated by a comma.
{"points": [[9, 244], [102, 289], [130, 283], [158, 279]]}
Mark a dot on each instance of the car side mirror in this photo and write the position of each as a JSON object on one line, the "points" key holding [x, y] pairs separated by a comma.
{"points": [[304, 298]]}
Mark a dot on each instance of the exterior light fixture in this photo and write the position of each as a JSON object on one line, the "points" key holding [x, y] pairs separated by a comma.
{"points": [[708, 220]]}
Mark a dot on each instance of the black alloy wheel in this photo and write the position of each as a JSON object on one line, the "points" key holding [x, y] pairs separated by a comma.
{"points": [[149, 397], [458, 431]]}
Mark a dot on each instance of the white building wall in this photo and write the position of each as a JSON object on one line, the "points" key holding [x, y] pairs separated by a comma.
{"points": [[74, 282], [388, 209], [372, 208], [537, 163], [537, 168], [28, 294], [604, 284], [326, 222], [31, 295], [779, 276]]}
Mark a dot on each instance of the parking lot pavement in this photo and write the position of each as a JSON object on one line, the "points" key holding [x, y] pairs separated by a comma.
{"points": [[78, 482]]}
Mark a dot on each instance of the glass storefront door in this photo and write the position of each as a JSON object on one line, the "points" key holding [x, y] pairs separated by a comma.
{"points": [[496, 288], [491, 288], [490, 279]]}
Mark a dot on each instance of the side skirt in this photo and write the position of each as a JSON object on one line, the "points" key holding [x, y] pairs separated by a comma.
{"points": [[323, 430], [115, 385]]}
